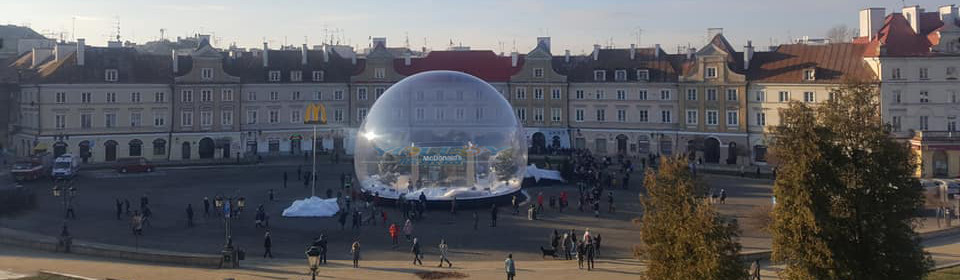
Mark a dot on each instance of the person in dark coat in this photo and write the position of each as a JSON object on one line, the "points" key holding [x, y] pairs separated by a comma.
{"points": [[206, 206], [189, 215], [322, 243], [589, 250], [126, 206], [554, 239], [144, 201], [119, 208], [596, 245], [342, 219], [267, 244], [493, 215], [415, 249]]}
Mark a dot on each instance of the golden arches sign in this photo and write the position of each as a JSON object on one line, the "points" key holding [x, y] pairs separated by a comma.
{"points": [[315, 113]]}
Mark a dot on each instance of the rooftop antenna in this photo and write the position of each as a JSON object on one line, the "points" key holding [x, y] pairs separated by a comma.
{"points": [[73, 29], [639, 36], [118, 28], [161, 33], [406, 40], [500, 44], [514, 44]]}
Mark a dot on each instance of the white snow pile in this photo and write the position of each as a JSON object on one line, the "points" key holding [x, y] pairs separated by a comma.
{"points": [[312, 207], [537, 173]]}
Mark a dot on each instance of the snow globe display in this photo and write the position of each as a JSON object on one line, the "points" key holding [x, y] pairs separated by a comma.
{"points": [[444, 134]]}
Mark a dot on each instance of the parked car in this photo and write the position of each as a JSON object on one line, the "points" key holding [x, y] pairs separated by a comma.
{"points": [[137, 164]]}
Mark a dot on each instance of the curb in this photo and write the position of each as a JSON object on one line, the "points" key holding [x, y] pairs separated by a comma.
{"points": [[63, 275], [945, 266]]}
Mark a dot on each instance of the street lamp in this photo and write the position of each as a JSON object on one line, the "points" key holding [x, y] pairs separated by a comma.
{"points": [[67, 193], [313, 259]]}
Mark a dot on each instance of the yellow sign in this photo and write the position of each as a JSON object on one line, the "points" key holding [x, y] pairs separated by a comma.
{"points": [[316, 113]]}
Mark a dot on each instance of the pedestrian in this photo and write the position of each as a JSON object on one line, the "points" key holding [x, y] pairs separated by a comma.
{"points": [[189, 215], [596, 245], [493, 215], [443, 254], [453, 205], [596, 207], [299, 174], [516, 205], [343, 179], [144, 201], [356, 220], [394, 237], [206, 206], [267, 244], [322, 243], [540, 201], [755, 270], [741, 170], [119, 208], [555, 240], [284, 179], [126, 206], [723, 196], [342, 219], [383, 215], [355, 251], [581, 251], [260, 217], [136, 223], [610, 207], [415, 249], [147, 213], [510, 267], [241, 204], [218, 205], [408, 229], [476, 220], [270, 195], [589, 249], [564, 251]]}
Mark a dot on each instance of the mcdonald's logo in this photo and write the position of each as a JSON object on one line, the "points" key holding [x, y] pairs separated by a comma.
{"points": [[315, 113]]}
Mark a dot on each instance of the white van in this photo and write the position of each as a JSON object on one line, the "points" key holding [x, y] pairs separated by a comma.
{"points": [[66, 166]]}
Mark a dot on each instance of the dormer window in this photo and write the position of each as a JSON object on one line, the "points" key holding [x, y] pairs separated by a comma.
{"points": [[206, 73], [643, 75], [379, 73], [274, 76], [620, 75], [538, 72], [111, 75], [809, 74], [895, 75], [296, 76], [317, 76], [711, 73], [599, 75]]}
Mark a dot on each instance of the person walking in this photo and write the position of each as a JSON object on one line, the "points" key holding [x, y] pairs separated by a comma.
{"points": [[493, 215], [206, 206], [589, 250], [596, 207], [515, 204], [408, 230], [119, 208], [540, 201], [610, 207], [322, 243], [355, 251], [267, 244], [510, 267], [356, 220], [723, 196], [476, 220], [755, 270], [443, 254], [415, 249], [342, 219], [144, 201], [189, 215], [394, 237], [581, 251], [453, 206], [136, 223], [596, 245], [126, 206], [299, 171]]}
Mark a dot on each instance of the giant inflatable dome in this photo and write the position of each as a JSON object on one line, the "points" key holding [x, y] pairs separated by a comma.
{"points": [[445, 134]]}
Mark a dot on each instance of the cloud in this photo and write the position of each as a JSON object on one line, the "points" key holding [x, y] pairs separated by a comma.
{"points": [[195, 8]]}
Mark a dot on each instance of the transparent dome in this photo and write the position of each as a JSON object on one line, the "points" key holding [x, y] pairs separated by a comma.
{"points": [[441, 133]]}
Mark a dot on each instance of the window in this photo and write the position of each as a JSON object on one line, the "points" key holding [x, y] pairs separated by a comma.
{"points": [[924, 121], [692, 117], [86, 120], [521, 93], [295, 95], [665, 117], [621, 115], [420, 114], [480, 111], [379, 92], [953, 97], [600, 94], [318, 95], [61, 121], [809, 74], [274, 96], [711, 117], [924, 73], [579, 94], [226, 117], [419, 96], [379, 73], [761, 119], [338, 115], [897, 96], [522, 114], [296, 76], [691, 94], [135, 97], [556, 94], [136, 147], [110, 120], [186, 95], [251, 96], [338, 95], [599, 75], [951, 73], [461, 114], [361, 114], [642, 94], [206, 73], [784, 96], [711, 72], [361, 93], [621, 94], [578, 115], [317, 76], [731, 94], [733, 118], [895, 75], [110, 75], [273, 116], [924, 97], [85, 97], [643, 116], [711, 94], [206, 95], [159, 119], [809, 97], [206, 118], [135, 119], [538, 114], [251, 116], [760, 96], [952, 123], [601, 115], [643, 75], [538, 93], [226, 94], [111, 97], [61, 97], [538, 72], [665, 94], [159, 147], [620, 75], [273, 76], [186, 118], [556, 114]]}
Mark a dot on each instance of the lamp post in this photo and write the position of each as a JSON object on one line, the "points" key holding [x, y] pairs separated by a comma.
{"points": [[313, 260], [315, 114], [67, 193]]}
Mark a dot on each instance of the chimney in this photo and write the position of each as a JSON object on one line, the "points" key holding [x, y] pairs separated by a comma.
{"points": [[326, 53], [596, 52], [912, 14], [176, 63], [57, 52], [747, 55], [566, 56], [81, 51], [266, 50], [303, 54], [514, 59], [39, 55], [656, 51], [633, 51], [870, 21], [545, 41], [406, 59], [948, 14], [690, 52]]}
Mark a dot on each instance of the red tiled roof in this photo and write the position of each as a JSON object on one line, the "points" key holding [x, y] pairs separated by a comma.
{"points": [[485, 65], [899, 39], [833, 63]]}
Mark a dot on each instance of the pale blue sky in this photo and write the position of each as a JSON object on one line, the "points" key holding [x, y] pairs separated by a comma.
{"points": [[574, 25]]}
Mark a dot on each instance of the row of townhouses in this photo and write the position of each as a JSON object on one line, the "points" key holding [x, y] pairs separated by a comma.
{"points": [[715, 104]]}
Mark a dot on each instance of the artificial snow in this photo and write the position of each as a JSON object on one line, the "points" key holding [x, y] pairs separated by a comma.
{"points": [[537, 173], [312, 207]]}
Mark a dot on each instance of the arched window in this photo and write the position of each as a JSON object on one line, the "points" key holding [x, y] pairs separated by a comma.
{"points": [[136, 147], [159, 147]]}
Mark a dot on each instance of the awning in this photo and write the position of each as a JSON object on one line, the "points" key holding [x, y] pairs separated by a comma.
{"points": [[40, 147]]}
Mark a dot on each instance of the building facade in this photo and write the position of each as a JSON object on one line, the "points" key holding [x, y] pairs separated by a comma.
{"points": [[538, 94]]}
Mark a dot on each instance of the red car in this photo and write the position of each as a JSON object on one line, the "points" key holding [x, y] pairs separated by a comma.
{"points": [[126, 165]]}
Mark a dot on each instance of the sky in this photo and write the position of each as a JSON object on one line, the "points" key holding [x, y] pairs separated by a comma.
{"points": [[499, 25]]}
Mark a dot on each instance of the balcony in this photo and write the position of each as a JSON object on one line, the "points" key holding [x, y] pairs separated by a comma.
{"points": [[945, 136]]}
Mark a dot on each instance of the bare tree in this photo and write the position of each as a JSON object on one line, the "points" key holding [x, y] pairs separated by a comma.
{"points": [[840, 33]]}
